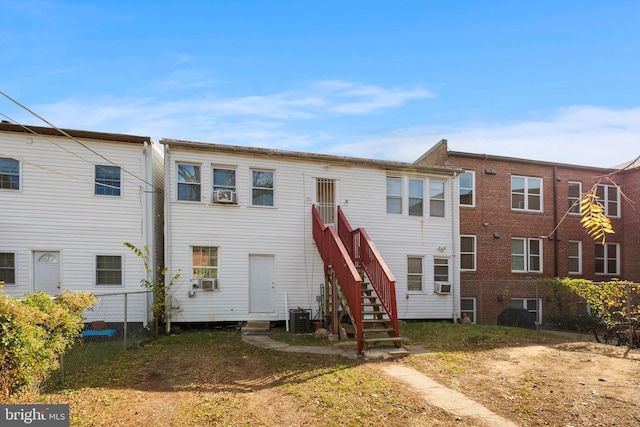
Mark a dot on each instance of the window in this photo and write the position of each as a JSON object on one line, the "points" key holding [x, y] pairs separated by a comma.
{"points": [[532, 305], [468, 253], [526, 255], [8, 268], [414, 273], [607, 258], [436, 198], [224, 179], [326, 199], [575, 257], [109, 270], [204, 262], [394, 195], [526, 193], [441, 270], [107, 181], [575, 194], [467, 188], [189, 182], [468, 306], [262, 188], [610, 198], [416, 197], [9, 174]]}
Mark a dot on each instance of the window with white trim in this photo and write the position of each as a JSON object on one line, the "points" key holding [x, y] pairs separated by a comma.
{"points": [[468, 307], [262, 188], [532, 305], [468, 253], [9, 174], [610, 198], [224, 179], [526, 193], [414, 273], [575, 194], [607, 258], [394, 195], [107, 180], [575, 257], [441, 270], [416, 197], [204, 262], [109, 270], [8, 268], [526, 255], [189, 182], [467, 188], [436, 198]]}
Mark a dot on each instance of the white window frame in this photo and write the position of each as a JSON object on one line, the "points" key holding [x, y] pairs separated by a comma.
{"points": [[410, 198], [606, 259], [213, 270], [439, 200], [574, 210], [15, 268], [216, 187], [527, 194], [19, 175], [96, 270], [473, 253], [441, 262], [537, 312], [527, 255], [578, 257], [472, 189], [104, 183], [395, 196], [272, 189], [415, 275], [608, 203], [195, 184], [473, 313]]}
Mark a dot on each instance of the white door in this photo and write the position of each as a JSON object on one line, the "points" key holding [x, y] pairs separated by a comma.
{"points": [[261, 284], [47, 272], [326, 200]]}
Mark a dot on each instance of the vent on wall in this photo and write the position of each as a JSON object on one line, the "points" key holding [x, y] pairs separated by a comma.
{"points": [[443, 288], [225, 196]]}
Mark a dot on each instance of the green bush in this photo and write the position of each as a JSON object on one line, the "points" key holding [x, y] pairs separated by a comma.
{"points": [[34, 332]]}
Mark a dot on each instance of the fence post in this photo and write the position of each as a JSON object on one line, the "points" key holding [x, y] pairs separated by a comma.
{"points": [[631, 331], [124, 329]]}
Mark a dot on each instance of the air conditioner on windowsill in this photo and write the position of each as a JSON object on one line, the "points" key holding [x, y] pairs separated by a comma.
{"points": [[443, 288], [225, 196], [209, 284]]}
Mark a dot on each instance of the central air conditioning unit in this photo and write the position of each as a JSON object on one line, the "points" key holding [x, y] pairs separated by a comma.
{"points": [[443, 288], [225, 196], [209, 284]]}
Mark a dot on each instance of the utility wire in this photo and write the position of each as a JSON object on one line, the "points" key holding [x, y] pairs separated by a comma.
{"points": [[72, 138]]}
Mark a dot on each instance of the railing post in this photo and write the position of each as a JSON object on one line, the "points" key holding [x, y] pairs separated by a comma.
{"points": [[124, 329]]}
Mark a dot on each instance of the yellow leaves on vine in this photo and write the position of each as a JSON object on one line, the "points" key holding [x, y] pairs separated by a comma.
{"points": [[594, 220]]}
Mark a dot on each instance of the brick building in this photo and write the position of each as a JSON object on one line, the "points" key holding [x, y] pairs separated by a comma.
{"points": [[509, 209]]}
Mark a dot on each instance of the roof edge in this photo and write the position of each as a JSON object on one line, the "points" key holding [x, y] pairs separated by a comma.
{"points": [[84, 134]]}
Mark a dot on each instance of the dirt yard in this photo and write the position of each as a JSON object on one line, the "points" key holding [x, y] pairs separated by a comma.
{"points": [[558, 384]]}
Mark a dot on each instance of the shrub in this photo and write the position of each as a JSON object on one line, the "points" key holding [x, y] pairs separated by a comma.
{"points": [[34, 332]]}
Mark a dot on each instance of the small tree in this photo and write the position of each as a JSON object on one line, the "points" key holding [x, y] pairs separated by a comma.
{"points": [[162, 307]]}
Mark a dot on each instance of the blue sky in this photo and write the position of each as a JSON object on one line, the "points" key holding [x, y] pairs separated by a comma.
{"points": [[549, 80]]}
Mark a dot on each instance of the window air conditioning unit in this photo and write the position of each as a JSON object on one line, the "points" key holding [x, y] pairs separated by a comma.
{"points": [[225, 196], [209, 284], [443, 288]]}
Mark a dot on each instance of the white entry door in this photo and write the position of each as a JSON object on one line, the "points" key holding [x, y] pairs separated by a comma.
{"points": [[47, 272], [261, 284]]}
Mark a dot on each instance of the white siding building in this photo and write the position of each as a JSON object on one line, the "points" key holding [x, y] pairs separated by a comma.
{"points": [[68, 204], [238, 229]]}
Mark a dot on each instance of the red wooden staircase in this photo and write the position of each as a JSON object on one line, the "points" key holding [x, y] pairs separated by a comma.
{"points": [[350, 258]]}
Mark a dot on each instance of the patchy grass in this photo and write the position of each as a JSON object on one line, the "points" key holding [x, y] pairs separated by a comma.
{"points": [[290, 338]]}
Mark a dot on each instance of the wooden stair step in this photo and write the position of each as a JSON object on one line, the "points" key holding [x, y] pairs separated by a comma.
{"points": [[382, 340]]}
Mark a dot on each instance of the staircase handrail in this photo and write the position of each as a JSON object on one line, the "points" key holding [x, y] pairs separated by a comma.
{"points": [[335, 255], [364, 253]]}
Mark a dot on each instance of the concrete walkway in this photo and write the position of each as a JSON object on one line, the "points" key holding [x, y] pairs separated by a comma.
{"points": [[436, 394]]}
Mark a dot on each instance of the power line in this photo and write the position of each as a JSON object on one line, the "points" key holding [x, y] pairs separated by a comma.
{"points": [[63, 132]]}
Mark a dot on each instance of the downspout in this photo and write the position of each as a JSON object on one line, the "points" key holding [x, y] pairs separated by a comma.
{"points": [[454, 247], [555, 222], [167, 225]]}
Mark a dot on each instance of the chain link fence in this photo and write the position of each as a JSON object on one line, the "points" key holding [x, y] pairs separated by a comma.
{"points": [[614, 319], [115, 323]]}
